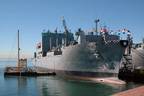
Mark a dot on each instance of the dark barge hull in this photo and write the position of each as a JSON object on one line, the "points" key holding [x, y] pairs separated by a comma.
{"points": [[28, 74]]}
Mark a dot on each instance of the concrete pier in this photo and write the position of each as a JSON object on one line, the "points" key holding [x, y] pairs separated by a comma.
{"points": [[139, 91]]}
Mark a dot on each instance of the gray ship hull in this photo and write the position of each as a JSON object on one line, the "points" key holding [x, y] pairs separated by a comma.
{"points": [[138, 58], [89, 60]]}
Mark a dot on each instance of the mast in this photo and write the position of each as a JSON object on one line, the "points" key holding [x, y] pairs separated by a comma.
{"points": [[96, 30], [18, 50]]}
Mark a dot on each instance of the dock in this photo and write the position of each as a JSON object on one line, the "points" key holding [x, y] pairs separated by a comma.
{"points": [[29, 74], [15, 71], [139, 91]]}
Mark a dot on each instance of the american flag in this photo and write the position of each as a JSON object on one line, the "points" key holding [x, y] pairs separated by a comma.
{"points": [[103, 30]]}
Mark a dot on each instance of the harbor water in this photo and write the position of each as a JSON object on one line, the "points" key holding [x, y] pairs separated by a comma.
{"points": [[54, 86]]}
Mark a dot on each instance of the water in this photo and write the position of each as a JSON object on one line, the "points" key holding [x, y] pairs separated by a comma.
{"points": [[54, 86]]}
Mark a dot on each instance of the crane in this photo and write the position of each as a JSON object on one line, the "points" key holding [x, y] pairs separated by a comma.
{"points": [[64, 25], [66, 31]]}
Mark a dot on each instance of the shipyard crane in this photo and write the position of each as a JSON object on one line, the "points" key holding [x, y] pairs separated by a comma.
{"points": [[66, 31], [64, 25]]}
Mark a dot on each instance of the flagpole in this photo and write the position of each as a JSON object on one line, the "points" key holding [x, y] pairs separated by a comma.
{"points": [[18, 51]]}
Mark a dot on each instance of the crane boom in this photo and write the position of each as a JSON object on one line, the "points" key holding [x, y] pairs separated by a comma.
{"points": [[64, 24], [65, 32]]}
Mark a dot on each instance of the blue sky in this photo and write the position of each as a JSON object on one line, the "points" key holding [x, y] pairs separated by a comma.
{"points": [[32, 16]]}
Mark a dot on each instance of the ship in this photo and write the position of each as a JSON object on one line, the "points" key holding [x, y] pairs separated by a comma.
{"points": [[138, 55], [93, 53], [132, 66]]}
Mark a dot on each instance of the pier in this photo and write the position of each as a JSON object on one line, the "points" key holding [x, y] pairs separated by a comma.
{"points": [[15, 71], [139, 91]]}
